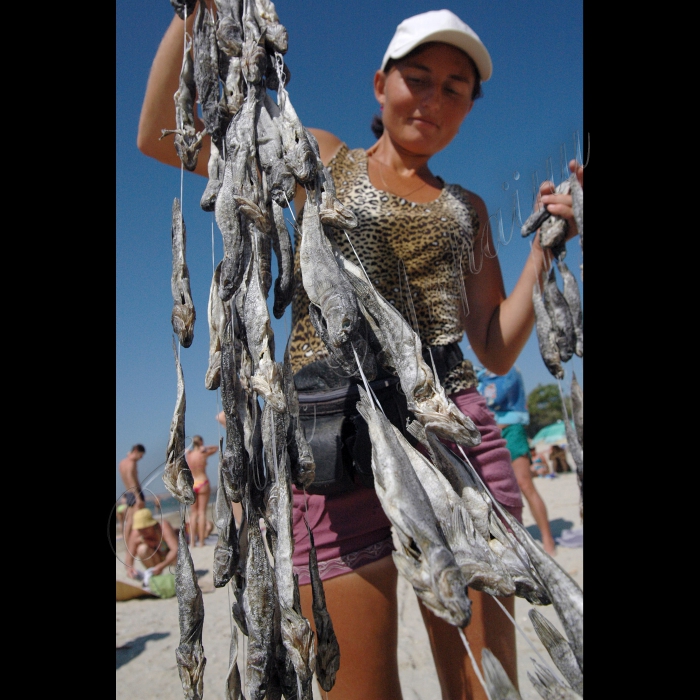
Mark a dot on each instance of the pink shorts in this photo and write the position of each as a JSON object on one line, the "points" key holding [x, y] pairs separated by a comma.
{"points": [[351, 529]]}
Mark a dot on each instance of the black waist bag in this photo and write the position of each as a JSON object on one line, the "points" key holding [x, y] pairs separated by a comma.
{"points": [[339, 437]]}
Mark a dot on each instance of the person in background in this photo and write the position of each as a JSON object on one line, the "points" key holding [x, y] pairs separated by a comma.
{"points": [[152, 543], [197, 455], [505, 396], [538, 467], [409, 219], [557, 458], [128, 471]]}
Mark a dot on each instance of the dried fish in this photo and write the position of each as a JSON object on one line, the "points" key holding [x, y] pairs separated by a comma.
{"points": [[572, 297], [553, 229], [282, 245], [229, 30], [482, 569], [276, 37], [436, 577], [577, 453], [560, 314], [549, 686], [266, 379], [206, 70], [577, 203], [259, 603], [298, 153], [558, 648], [566, 595], [303, 466], [328, 654], [296, 632], [233, 690], [325, 284], [546, 336], [425, 395], [234, 459], [219, 315], [577, 407], [183, 314], [188, 141], [226, 551], [189, 653], [183, 8], [281, 183], [215, 171], [177, 476], [499, 685]]}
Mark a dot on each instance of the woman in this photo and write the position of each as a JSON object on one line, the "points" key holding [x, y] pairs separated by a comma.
{"points": [[197, 455], [409, 219]]}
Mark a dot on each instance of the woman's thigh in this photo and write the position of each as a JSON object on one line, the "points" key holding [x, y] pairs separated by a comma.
{"points": [[489, 627], [364, 611]]}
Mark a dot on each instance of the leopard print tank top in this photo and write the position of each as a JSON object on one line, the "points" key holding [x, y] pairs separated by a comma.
{"points": [[415, 254]]}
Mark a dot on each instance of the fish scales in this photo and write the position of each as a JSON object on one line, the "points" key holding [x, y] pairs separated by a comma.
{"points": [[560, 314], [499, 685], [546, 336], [572, 297]]}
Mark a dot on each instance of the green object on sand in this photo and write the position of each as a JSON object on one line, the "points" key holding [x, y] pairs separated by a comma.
{"points": [[162, 585]]}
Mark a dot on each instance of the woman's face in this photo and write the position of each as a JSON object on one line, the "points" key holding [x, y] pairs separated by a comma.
{"points": [[426, 97]]}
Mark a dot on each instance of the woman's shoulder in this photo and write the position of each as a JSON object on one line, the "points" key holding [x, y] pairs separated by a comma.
{"points": [[469, 199]]}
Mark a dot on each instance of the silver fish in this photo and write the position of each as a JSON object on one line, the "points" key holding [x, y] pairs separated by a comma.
{"points": [[219, 315], [546, 336], [183, 314], [558, 648], [325, 284], [266, 379], [577, 203], [206, 69], [259, 603], [188, 141], [482, 569], [233, 690], [298, 152], [229, 30], [577, 453], [177, 476], [560, 314], [297, 635], [577, 407], [215, 171], [499, 685], [282, 245], [539, 218], [407, 506], [328, 654], [549, 686], [425, 395], [276, 37], [234, 459], [281, 182], [303, 468], [189, 653], [573, 300], [226, 551], [566, 595]]}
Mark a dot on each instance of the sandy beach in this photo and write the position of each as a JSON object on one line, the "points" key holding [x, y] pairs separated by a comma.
{"points": [[147, 631]]}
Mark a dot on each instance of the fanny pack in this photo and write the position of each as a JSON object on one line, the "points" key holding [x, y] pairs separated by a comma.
{"points": [[339, 437]]}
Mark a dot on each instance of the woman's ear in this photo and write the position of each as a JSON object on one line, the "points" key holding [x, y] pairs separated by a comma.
{"points": [[379, 84]]}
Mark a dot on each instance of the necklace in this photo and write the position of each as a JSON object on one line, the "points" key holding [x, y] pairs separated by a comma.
{"points": [[386, 187]]}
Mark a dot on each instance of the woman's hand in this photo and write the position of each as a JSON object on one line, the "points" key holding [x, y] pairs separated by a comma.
{"points": [[560, 204]]}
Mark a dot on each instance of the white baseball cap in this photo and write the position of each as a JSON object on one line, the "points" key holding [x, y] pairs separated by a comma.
{"points": [[439, 25]]}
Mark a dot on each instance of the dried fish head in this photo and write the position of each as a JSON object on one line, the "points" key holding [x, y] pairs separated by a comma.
{"points": [[276, 37], [253, 62]]}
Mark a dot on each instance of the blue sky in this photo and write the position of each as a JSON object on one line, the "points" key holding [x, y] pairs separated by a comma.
{"points": [[529, 121]]}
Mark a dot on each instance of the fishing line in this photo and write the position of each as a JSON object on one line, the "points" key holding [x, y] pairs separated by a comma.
{"points": [[522, 632], [474, 664]]}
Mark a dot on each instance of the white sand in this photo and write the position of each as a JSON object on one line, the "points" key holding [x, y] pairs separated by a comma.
{"points": [[148, 627]]}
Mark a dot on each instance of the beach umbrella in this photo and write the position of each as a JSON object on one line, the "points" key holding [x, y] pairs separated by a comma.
{"points": [[553, 434]]}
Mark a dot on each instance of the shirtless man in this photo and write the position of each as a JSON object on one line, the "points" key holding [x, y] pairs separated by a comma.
{"points": [[152, 543], [134, 495], [197, 456]]}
